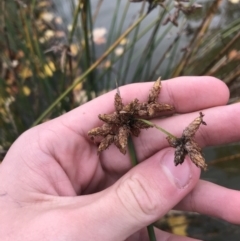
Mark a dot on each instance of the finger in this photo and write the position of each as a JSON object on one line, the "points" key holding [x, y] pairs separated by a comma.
{"points": [[139, 198], [186, 94], [222, 127], [213, 200]]}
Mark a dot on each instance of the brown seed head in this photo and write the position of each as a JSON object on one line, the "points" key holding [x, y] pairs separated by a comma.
{"points": [[124, 121], [154, 92], [187, 145]]}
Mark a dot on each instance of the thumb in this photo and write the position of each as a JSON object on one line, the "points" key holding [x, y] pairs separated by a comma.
{"points": [[140, 197]]}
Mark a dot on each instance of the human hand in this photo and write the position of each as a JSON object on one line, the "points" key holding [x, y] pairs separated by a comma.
{"points": [[54, 186]]}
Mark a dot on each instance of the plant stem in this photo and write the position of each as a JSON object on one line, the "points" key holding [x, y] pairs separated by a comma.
{"points": [[197, 39], [158, 127], [134, 161], [132, 151], [218, 56], [74, 24], [88, 55], [164, 56], [150, 228], [128, 48], [89, 70], [94, 16], [151, 233], [134, 41]]}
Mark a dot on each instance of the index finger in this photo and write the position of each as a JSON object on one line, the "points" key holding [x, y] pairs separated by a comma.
{"points": [[186, 94]]}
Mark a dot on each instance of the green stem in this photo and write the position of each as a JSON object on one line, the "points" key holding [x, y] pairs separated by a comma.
{"points": [[150, 228], [74, 24], [88, 55], [134, 41], [158, 127], [134, 161], [132, 152], [128, 47], [151, 233], [89, 70]]}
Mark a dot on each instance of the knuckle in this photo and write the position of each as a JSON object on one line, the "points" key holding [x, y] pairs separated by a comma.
{"points": [[137, 197]]}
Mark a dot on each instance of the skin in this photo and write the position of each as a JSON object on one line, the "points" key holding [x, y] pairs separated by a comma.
{"points": [[54, 186]]}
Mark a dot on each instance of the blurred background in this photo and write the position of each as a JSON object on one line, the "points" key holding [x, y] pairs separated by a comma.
{"points": [[56, 55]]}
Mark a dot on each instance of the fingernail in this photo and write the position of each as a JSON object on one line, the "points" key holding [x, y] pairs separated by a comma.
{"points": [[181, 174]]}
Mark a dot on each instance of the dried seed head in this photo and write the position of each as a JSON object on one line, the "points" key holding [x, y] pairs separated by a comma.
{"points": [[173, 142], [195, 154], [155, 108], [104, 130], [131, 107], [105, 143], [180, 154], [118, 102], [123, 138], [186, 145], [154, 92], [124, 120], [109, 118], [194, 126]]}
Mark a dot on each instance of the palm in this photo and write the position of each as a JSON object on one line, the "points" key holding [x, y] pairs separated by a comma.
{"points": [[76, 161]]}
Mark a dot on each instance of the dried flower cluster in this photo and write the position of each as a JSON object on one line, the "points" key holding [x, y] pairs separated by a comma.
{"points": [[187, 145], [125, 120], [183, 6]]}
